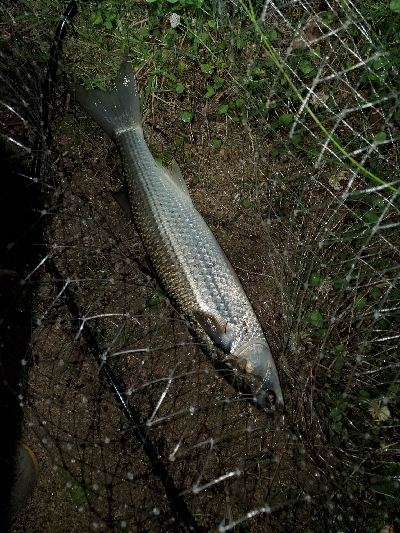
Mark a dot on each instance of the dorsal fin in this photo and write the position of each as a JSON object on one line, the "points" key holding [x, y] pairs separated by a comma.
{"points": [[176, 176]]}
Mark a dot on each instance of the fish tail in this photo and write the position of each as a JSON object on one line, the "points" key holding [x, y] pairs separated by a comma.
{"points": [[116, 110]]}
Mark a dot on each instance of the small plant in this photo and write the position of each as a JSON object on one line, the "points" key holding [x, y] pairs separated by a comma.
{"points": [[187, 116]]}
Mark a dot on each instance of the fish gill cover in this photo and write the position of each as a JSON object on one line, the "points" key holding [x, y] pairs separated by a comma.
{"points": [[284, 119]]}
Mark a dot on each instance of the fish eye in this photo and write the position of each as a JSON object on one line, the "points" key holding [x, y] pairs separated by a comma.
{"points": [[266, 399]]}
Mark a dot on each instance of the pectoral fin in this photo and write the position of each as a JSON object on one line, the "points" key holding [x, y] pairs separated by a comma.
{"points": [[216, 327]]}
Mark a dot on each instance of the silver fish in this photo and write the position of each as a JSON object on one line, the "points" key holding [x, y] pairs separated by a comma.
{"points": [[185, 255]]}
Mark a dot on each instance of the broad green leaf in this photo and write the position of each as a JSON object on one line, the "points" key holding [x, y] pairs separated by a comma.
{"points": [[286, 118], [360, 303], [210, 91], [187, 116], [370, 217], [144, 31], [206, 68], [296, 138], [316, 279], [218, 82], [239, 43], [275, 151], [315, 318], [335, 414], [375, 293], [395, 6], [380, 137], [306, 66]]}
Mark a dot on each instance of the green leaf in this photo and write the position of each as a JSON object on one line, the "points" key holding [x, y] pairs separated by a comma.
{"points": [[316, 279], [206, 68], [245, 202], [217, 143], [218, 82], [339, 362], [223, 109], [286, 119], [360, 303], [370, 217], [380, 137], [179, 88], [210, 91], [306, 66], [239, 43], [275, 151], [187, 116], [181, 67], [336, 414], [375, 293], [382, 63], [154, 300], [315, 318], [395, 6], [296, 138], [364, 393], [326, 16]]}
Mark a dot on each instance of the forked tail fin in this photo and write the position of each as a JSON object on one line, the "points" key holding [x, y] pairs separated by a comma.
{"points": [[116, 110]]}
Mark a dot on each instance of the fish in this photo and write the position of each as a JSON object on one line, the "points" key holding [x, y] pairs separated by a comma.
{"points": [[185, 256]]}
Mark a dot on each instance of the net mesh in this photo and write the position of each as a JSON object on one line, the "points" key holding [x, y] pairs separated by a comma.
{"points": [[298, 179]]}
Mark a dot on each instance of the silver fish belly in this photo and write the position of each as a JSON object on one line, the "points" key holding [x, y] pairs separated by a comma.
{"points": [[185, 255]]}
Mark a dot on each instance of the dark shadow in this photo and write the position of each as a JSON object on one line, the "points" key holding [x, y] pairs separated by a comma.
{"points": [[20, 250]]}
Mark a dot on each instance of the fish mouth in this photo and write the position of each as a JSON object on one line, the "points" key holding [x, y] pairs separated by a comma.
{"points": [[256, 361]]}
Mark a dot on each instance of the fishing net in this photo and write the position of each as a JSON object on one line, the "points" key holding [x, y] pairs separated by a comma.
{"points": [[284, 119]]}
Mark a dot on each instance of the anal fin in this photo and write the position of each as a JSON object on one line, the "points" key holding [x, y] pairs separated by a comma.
{"points": [[122, 199]]}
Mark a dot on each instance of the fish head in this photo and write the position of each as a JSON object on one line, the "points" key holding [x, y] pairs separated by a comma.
{"points": [[261, 375]]}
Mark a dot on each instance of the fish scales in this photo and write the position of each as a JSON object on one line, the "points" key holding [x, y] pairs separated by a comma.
{"points": [[184, 253], [190, 264]]}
